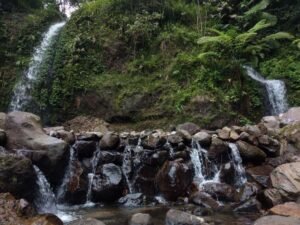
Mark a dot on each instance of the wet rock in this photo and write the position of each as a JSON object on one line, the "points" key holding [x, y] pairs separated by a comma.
{"points": [[261, 174], [14, 212], [24, 130], [110, 157], [89, 136], [174, 139], [173, 179], [251, 206], [224, 133], [110, 141], [85, 149], [277, 220], [86, 221], [141, 219], [145, 180], [286, 179], [2, 120], [220, 191], [286, 209], [131, 200], [2, 137], [203, 138], [227, 173], [153, 141], [217, 148], [251, 153], [176, 217], [45, 219], [270, 197], [191, 128], [17, 176], [107, 184], [247, 191], [204, 199]]}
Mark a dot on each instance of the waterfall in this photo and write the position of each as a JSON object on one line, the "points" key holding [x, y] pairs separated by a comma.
{"points": [[95, 161], [171, 149], [205, 170], [44, 201], [22, 92], [240, 174], [127, 167], [276, 91]]}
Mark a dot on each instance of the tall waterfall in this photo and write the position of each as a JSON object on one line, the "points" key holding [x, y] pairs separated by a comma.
{"points": [[22, 93], [276, 91], [45, 198]]}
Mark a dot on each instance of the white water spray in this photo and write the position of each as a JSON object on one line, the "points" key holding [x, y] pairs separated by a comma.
{"points": [[22, 92], [276, 91]]}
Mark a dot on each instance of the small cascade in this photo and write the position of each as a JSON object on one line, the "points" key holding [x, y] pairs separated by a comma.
{"points": [[22, 94], [171, 149], [205, 170], [45, 200], [276, 91], [95, 161], [127, 168], [240, 174], [68, 174]]}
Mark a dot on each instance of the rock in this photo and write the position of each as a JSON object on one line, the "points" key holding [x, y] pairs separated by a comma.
{"points": [[251, 206], [14, 212], [286, 209], [110, 157], [270, 146], [85, 149], [224, 133], [261, 174], [203, 138], [277, 220], [108, 184], [17, 176], [153, 141], [89, 136], [2, 120], [292, 134], [234, 136], [24, 131], [220, 191], [110, 141], [191, 128], [292, 115], [141, 219], [271, 197], [247, 191], [173, 179], [251, 153], [2, 138], [227, 173], [45, 219], [271, 122], [217, 148], [204, 199], [176, 217], [61, 133], [132, 200], [286, 179], [244, 136], [174, 139], [86, 123], [253, 130], [86, 221], [187, 138]]}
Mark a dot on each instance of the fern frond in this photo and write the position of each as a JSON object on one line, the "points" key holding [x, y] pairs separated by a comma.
{"points": [[221, 39], [245, 37], [206, 55], [262, 24], [258, 7], [279, 36], [297, 42]]}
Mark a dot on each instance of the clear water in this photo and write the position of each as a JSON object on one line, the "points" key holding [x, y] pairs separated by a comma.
{"points": [[276, 91], [22, 92]]}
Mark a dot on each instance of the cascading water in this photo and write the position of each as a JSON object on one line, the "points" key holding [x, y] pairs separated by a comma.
{"points": [[95, 161], [205, 170], [45, 200], [22, 93], [276, 91], [240, 174]]}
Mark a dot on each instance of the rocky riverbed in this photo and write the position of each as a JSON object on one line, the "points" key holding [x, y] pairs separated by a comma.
{"points": [[186, 175]]}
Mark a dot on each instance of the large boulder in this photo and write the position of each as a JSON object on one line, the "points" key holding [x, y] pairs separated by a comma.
{"points": [[217, 148], [17, 176], [277, 220], [141, 219], [85, 149], [24, 131], [287, 209], [110, 141], [251, 153], [292, 115], [204, 199], [261, 174], [292, 134], [286, 179], [154, 140], [173, 179], [176, 217], [203, 138], [191, 128], [108, 184]]}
